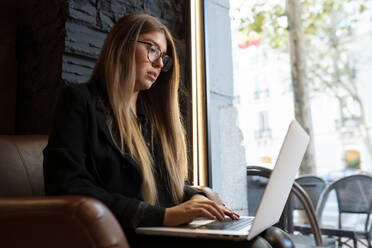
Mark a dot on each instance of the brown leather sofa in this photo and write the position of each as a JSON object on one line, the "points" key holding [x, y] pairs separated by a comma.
{"points": [[30, 219]]}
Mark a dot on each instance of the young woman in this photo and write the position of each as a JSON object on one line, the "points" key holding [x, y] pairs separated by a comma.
{"points": [[119, 138]]}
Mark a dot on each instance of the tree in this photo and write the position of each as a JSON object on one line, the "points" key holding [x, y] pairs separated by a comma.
{"points": [[324, 24], [269, 20], [336, 73], [299, 80]]}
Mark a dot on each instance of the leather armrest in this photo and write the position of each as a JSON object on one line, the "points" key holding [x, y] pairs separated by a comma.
{"points": [[278, 238], [60, 221]]}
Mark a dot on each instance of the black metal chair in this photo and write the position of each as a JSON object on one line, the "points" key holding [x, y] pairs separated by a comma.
{"points": [[257, 179], [314, 187], [354, 196]]}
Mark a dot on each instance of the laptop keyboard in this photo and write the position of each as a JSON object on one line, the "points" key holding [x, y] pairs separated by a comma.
{"points": [[228, 224]]}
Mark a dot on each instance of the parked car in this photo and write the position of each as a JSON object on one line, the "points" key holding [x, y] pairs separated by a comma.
{"points": [[337, 174]]}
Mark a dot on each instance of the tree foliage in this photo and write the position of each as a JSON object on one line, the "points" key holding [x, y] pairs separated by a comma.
{"points": [[327, 25]]}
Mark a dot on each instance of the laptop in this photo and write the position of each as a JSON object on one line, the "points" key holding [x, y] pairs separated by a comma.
{"points": [[271, 205]]}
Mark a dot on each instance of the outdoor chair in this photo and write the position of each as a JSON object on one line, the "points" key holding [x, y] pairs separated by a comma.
{"points": [[354, 196], [257, 178], [314, 187]]}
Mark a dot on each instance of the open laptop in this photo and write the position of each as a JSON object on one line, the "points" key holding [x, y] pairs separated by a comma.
{"points": [[270, 207]]}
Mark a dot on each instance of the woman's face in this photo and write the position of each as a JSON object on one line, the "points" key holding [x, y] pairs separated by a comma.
{"points": [[146, 71]]}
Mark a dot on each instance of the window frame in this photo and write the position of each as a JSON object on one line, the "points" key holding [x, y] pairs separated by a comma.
{"points": [[200, 152]]}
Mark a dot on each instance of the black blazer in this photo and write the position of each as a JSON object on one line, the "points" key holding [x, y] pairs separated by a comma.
{"points": [[81, 159]]}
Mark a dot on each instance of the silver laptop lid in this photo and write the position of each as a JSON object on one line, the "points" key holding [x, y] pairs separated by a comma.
{"points": [[281, 179]]}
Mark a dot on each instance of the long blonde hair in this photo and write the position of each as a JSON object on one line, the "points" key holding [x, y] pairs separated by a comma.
{"points": [[115, 75]]}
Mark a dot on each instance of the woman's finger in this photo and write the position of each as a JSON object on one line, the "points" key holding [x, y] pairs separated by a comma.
{"points": [[210, 208], [216, 211], [202, 212], [230, 213], [218, 208]]}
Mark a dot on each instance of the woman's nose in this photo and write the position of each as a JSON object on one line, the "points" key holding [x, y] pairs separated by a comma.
{"points": [[158, 63]]}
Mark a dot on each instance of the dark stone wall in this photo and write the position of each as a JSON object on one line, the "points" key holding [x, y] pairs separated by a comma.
{"points": [[58, 42], [90, 21], [8, 65], [40, 47]]}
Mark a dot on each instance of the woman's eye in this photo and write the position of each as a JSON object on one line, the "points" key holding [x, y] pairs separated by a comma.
{"points": [[153, 50]]}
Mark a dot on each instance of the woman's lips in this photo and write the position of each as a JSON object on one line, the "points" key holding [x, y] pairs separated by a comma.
{"points": [[152, 76]]}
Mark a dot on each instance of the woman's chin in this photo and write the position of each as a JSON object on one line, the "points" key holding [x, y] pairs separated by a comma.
{"points": [[147, 85]]}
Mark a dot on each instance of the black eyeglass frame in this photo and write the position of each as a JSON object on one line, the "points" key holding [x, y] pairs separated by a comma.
{"points": [[167, 60]]}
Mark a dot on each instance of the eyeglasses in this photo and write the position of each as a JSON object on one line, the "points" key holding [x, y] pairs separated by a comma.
{"points": [[154, 53]]}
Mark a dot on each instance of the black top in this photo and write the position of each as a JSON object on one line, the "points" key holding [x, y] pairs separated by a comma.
{"points": [[81, 159]]}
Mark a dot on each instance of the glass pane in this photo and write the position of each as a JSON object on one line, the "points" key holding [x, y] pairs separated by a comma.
{"points": [[249, 85]]}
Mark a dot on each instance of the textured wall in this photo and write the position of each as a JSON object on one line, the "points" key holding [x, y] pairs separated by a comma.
{"points": [[40, 45], [89, 22], [59, 42], [8, 66]]}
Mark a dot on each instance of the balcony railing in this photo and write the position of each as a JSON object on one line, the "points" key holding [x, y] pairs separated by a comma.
{"points": [[263, 133], [347, 123], [258, 94]]}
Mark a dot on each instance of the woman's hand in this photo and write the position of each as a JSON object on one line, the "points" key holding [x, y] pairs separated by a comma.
{"points": [[197, 206]]}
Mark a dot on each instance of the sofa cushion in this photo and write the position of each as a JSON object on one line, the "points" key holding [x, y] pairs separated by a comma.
{"points": [[21, 165]]}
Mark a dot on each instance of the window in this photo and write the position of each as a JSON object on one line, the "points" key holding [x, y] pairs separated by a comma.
{"points": [[349, 114], [264, 131], [259, 94], [248, 91], [352, 159], [266, 160]]}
